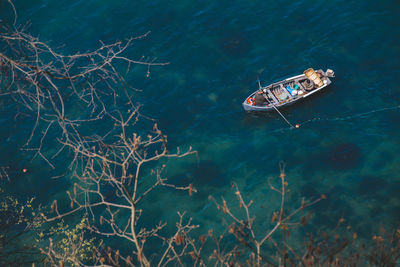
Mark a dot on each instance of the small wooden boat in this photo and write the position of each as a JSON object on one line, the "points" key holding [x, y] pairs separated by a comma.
{"points": [[288, 91]]}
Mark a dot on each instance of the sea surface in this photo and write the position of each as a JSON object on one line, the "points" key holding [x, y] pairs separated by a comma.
{"points": [[347, 146]]}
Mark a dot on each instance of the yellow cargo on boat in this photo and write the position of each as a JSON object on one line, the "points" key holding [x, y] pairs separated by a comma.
{"points": [[313, 76]]}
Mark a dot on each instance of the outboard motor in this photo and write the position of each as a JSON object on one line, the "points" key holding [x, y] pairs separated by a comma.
{"points": [[330, 73]]}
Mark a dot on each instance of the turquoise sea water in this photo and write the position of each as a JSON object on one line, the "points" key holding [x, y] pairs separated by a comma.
{"points": [[347, 146]]}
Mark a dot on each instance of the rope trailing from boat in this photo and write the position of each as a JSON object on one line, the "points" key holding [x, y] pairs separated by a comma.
{"points": [[291, 125]]}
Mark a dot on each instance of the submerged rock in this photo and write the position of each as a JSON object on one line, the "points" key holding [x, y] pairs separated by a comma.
{"points": [[309, 191], [206, 173], [235, 44], [371, 185], [344, 156], [212, 97]]}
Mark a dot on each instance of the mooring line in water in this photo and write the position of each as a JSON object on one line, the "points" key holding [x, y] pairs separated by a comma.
{"points": [[352, 116], [291, 126], [365, 113], [336, 119]]}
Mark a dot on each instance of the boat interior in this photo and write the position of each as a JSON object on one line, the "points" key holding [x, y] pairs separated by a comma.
{"points": [[286, 91]]}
